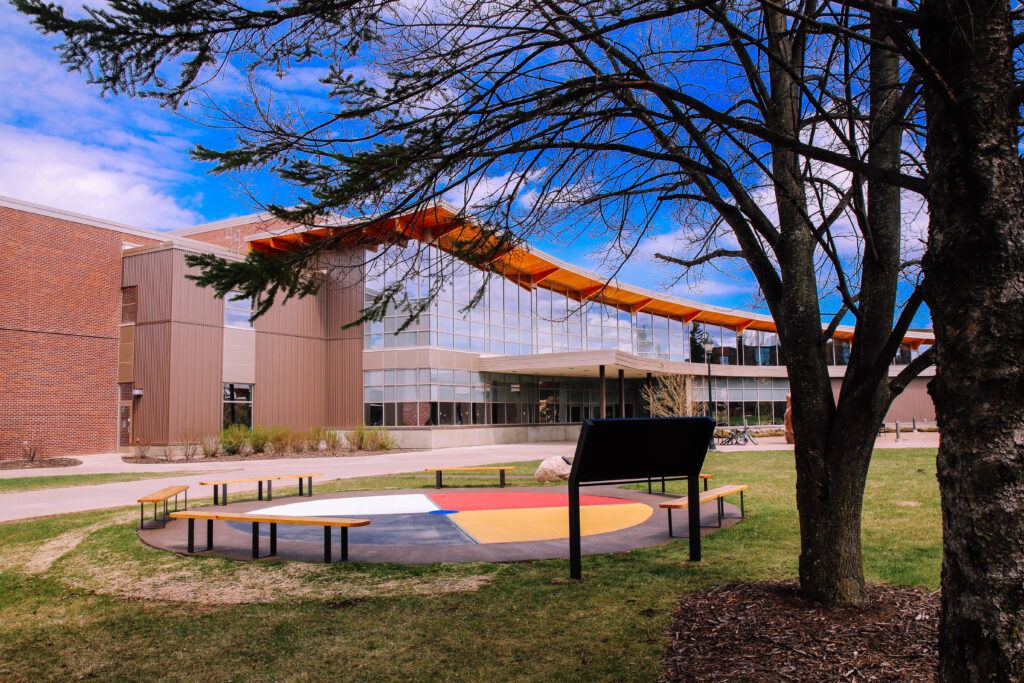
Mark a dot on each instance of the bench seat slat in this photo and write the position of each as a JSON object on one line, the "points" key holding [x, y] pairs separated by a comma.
{"points": [[163, 494], [242, 481], [706, 496], [271, 519], [466, 469]]}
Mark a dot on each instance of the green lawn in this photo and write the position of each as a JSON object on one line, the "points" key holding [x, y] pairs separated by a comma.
{"points": [[81, 597], [59, 481]]}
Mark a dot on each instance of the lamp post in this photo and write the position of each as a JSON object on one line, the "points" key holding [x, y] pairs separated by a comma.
{"points": [[708, 347]]}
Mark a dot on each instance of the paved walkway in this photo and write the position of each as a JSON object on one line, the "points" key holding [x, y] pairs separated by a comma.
{"points": [[28, 504]]}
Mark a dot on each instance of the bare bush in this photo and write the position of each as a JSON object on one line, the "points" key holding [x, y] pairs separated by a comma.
{"points": [[672, 396]]}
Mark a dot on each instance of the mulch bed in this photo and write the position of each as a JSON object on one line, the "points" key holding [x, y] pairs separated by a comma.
{"points": [[160, 460], [764, 631], [38, 463]]}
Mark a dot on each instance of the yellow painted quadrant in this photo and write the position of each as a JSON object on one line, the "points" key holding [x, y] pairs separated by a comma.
{"points": [[518, 525]]}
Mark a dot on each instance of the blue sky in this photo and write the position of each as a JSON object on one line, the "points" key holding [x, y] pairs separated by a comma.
{"points": [[127, 160]]}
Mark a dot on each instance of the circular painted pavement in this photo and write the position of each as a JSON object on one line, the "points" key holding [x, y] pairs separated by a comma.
{"points": [[450, 525]]}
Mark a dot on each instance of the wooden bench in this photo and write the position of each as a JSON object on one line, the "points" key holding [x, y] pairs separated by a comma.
{"points": [[223, 483], [439, 470], [718, 494], [161, 496], [273, 520], [703, 477]]}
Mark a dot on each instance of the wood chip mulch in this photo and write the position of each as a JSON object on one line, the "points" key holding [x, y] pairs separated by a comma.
{"points": [[765, 631], [39, 463]]}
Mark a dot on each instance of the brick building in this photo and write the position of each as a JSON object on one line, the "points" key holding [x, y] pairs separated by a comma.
{"points": [[105, 344]]}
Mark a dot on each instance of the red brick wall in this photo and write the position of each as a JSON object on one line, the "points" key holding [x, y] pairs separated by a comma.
{"points": [[59, 317], [238, 233]]}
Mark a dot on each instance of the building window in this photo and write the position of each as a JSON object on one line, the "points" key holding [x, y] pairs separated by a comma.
{"points": [[129, 304], [237, 310], [238, 404]]}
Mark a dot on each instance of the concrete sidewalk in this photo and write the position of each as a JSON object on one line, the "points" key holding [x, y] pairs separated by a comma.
{"points": [[28, 504], [81, 498]]}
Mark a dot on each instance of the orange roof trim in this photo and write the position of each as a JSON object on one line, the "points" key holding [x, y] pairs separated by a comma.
{"points": [[442, 226]]}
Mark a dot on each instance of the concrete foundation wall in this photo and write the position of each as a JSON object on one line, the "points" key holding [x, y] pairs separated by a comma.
{"points": [[484, 435]]}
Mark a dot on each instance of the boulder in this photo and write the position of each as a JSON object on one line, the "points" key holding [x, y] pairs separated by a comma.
{"points": [[553, 469]]}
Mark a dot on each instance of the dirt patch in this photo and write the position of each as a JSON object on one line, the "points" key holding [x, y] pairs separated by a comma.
{"points": [[765, 631], [161, 460], [39, 463]]}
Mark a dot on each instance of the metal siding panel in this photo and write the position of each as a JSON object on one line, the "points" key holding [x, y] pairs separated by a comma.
{"points": [[192, 303], [296, 317], [290, 381], [151, 272], [914, 402], [344, 383], [152, 375], [195, 385]]}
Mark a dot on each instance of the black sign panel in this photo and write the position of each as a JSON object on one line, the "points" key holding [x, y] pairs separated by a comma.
{"points": [[641, 448], [635, 449]]}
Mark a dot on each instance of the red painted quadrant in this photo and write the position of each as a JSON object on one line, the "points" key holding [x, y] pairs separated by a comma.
{"points": [[501, 500]]}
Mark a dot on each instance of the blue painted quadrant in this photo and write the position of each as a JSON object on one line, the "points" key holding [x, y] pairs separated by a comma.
{"points": [[402, 529]]}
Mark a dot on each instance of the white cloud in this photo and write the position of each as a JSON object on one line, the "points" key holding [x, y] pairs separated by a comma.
{"points": [[120, 185]]}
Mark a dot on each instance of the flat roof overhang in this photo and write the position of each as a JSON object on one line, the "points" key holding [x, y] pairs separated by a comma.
{"points": [[588, 363], [443, 226]]}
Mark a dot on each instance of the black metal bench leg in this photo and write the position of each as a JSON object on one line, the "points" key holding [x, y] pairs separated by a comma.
{"points": [[259, 490], [649, 491], [300, 487], [309, 486], [255, 540], [142, 515], [216, 496], [191, 535], [273, 538], [705, 484], [438, 483], [186, 499], [270, 490], [501, 476], [209, 534], [344, 544], [663, 484], [721, 510], [670, 535], [224, 495], [327, 544], [742, 511]]}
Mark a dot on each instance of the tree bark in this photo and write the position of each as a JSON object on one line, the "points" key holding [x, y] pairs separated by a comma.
{"points": [[974, 286]]}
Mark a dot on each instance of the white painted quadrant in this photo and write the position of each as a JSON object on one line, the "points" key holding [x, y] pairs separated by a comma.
{"points": [[349, 507]]}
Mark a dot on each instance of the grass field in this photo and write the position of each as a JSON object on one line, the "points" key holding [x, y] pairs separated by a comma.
{"points": [[57, 481], [81, 597]]}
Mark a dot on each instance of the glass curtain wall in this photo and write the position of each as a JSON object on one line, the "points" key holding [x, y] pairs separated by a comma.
{"points": [[432, 396]]}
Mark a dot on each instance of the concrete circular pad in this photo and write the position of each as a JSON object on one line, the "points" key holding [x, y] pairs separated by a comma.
{"points": [[412, 532]]}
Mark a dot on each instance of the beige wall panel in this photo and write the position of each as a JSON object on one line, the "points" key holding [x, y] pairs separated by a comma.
{"points": [[196, 360], [152, 273], [126, 353], [298, 317], [914, 402], [152, 375], [239, 357], [290, 381], [344, 383], [192, 303]]}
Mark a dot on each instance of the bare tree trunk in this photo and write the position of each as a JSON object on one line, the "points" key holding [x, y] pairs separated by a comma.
{"points": [[974, 286]]}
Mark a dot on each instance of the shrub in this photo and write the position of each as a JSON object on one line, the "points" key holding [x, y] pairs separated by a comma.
{"points": [[365, 438], [332, 440], [234, 439], [317, 438], [30, 449], [296, 441], [190, 441], [260, 438], [210, 445], [279, 438]]}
